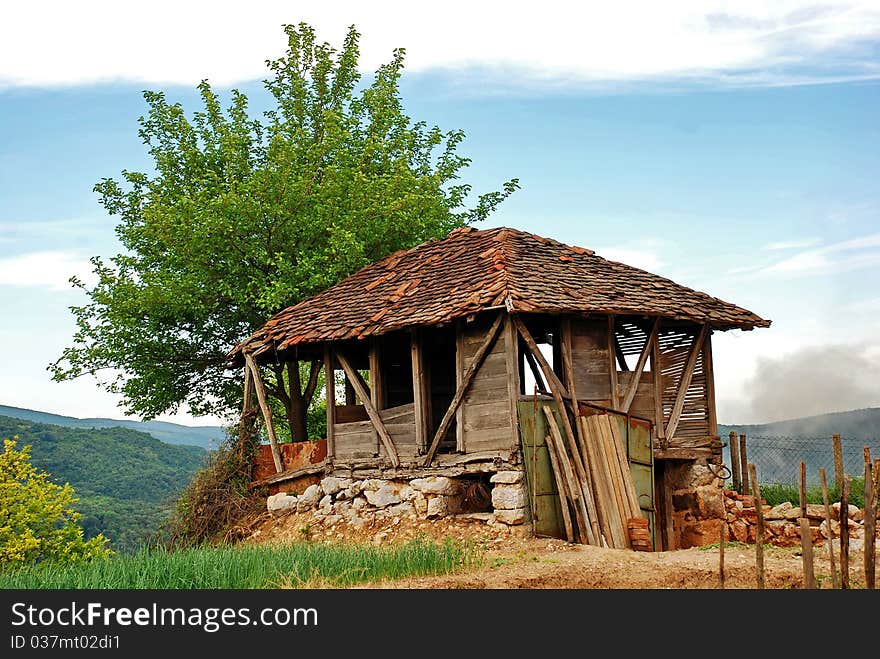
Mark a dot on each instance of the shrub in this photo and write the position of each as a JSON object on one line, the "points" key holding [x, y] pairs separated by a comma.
{"points": [[37, 519]]}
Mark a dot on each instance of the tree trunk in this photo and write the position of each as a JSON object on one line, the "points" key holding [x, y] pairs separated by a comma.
{"points": [[294, 398]]}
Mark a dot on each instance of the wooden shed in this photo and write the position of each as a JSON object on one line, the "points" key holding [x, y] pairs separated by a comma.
{"points": [[445, 351]]}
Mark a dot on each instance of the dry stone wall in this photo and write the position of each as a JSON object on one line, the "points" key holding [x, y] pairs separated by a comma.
{"points": [[358, 502]]}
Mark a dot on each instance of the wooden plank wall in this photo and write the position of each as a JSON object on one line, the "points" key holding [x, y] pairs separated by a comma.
{"points": [[357, 439], [591, 360], [485, 411]]}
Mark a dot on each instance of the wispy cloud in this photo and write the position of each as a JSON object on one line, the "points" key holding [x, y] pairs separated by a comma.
{"points": [[845, 255], [750, 42], [791, 244], [50, 269]]}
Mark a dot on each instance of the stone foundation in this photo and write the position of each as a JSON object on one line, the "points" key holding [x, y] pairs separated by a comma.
{"points": [[432, 497]]}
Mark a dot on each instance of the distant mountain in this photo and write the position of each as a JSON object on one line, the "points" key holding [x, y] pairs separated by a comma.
{"points": [[207, 437], [125, 479], [777, 448], [856, 424]]}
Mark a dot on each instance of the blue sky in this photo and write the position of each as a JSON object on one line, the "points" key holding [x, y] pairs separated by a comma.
{"points": [[745, 166]]}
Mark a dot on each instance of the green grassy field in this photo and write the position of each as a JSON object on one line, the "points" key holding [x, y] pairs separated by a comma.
{"points": [[775, 493], [265, 566]]}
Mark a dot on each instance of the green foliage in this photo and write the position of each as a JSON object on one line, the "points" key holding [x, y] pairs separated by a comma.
{"points": [[37, 519], [124, 479], [217, 498], [242, 216], [775, 493], [254, 566]]}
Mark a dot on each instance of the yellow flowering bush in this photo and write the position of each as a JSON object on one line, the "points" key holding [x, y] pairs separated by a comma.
{"points": [[37, 519]]}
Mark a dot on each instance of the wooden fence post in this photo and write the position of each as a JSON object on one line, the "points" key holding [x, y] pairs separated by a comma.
{"points": [[745, 464], [844, 534], [759, 535], [838, 461], [807, 554], [834, 581], [734, 461], [870, 523]]}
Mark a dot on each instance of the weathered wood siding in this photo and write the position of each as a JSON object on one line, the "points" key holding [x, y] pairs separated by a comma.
{"points": [[485, 418], [591, 361], [357, 439]]}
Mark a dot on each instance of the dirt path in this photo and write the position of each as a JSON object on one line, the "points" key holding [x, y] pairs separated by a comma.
{"points": [[517, 562], [553, 564]]}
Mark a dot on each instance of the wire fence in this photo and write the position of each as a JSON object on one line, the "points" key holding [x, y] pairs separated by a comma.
{"points": [[777, 458]]}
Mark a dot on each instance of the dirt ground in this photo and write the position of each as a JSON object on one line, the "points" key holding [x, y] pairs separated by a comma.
{"points": [[513, 560]]}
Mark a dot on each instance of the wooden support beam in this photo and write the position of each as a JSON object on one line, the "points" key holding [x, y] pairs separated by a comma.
{"points": [[330, 399], [459, 378], [463, 387], [376, 389], [640, 367], [267, 412], [709, 372], [361, 390], [683, 386], [419, 389], [612, 370], [656, 367], [511, 352]]}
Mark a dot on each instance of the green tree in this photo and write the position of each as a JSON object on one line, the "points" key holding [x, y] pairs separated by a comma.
{"points": [[244, 216], [37, 521]]}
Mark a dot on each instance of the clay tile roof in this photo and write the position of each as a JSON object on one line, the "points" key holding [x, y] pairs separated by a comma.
{"points": [[471, 270]]}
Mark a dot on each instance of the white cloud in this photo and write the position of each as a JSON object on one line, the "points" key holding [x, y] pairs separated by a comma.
{"points": [[791, 244], [51, 269], [748, 42], [845, 255]]}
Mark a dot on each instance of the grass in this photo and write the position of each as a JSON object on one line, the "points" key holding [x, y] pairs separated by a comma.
{"points": [[253, 566], [774, 493]]}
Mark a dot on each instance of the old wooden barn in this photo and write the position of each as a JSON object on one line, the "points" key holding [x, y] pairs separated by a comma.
{"points": [[444, 357]]}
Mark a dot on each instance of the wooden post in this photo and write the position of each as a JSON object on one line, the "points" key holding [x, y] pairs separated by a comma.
{"points": [[870, 522], [419, 389], [844, 533], [834, 580], [612, 358], [330, 399], [355, 379], [744, 462], [838, 461], [759, 534], [722, 540], [733, 441], [802, 495], [659, 421], [267, 412], [807, 554], [709, 372], [376, 393]]}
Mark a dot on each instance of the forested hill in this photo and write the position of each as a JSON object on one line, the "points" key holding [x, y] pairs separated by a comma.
{"points": [[123, 478], [209, 437]]}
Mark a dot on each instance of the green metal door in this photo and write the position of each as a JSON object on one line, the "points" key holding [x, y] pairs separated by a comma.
{"points": [[543, 495]]}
